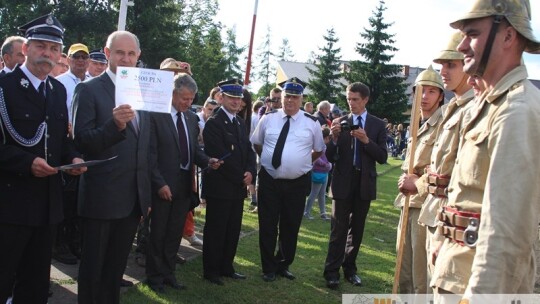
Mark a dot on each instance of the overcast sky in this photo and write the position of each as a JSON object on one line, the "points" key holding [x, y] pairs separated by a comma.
{"points": [[421, 27]]}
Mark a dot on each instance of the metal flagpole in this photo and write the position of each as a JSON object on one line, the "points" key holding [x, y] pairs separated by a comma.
{"points": [[123, 14], [248, 66]]}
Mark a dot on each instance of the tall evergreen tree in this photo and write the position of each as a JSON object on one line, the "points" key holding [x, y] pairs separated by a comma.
{"points": [[285, 52], [159, 40], [388, 98], [265, 71], [325, 78], [204, 46], [232, 54], [75, 16], [205, 54]]}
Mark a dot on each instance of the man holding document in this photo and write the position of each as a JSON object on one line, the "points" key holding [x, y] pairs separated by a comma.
{"points": [[33, 143], [114, 195]]}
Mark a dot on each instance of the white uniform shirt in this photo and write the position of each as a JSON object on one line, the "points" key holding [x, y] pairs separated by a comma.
{"points": [[70, 81], [304, 136], [201, 121], [254, 122], [6, 70]]}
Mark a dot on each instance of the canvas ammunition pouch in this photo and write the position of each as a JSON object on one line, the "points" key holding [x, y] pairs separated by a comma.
{"points": [[438, 184], [460, 226]]}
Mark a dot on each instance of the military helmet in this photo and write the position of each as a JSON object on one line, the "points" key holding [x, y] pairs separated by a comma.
{"points": [[517, 12], [451, 52], [429, 77]]}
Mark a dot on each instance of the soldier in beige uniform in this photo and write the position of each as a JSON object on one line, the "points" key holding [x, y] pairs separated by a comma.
{"points": [[492, 216], [413, 279], [434, 183]]}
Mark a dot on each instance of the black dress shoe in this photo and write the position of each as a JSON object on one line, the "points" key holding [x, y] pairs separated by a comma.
{"points": [[354, 279], [332, 283], [287, 274], [174, 284], [125, 283], [237, 276], [269, 277], [215, 280], [62, 254]]}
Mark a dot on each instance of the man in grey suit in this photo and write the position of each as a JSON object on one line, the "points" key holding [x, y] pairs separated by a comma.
{"points": [[174, 149], [112, 196]]}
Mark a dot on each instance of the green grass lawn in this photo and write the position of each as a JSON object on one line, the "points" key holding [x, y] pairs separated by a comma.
{"points": [[376, 261]]}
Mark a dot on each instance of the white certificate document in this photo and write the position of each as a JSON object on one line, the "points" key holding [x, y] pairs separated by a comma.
{"points": [[144, 89]]}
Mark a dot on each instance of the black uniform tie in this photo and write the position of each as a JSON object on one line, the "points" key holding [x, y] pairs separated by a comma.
{"points": [[41, 89], [276, 158], [182, 137]]}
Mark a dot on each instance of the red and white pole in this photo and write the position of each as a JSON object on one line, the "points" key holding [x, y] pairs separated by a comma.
{"points": [[248, 65]]}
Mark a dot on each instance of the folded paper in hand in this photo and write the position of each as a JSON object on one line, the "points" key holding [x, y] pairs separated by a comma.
{"points": [[84, 164]]}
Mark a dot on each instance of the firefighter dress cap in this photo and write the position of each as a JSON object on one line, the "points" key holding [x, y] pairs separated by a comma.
{"points": [[232, 87], [98, 56], [46, 28], [293, 86]]}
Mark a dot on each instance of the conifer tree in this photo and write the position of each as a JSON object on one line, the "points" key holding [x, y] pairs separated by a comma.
{"points": [[325, 77], [387, 86]]}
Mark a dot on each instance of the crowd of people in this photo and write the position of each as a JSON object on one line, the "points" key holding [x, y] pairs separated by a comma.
{"points": [[464, 224]]}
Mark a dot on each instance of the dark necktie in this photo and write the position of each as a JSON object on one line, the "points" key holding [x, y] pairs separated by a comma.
{"points": [[182, 137], [41, 89], [135, 124], [235, 127], [278, 151], [357, 156]]}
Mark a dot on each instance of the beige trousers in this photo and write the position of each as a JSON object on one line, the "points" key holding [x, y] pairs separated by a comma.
{"points": [[413, 273]]}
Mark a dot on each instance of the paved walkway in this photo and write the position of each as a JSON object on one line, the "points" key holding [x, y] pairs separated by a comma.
{"points": [[64, 277]]}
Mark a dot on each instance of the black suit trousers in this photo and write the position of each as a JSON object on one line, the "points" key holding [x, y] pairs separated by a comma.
{"points": [[25, 263], [347, 228], [105, 249], [221, 234], [281, 204], [167, 221]]}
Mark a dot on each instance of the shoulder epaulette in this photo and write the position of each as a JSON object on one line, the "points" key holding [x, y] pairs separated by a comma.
{"points": [[310, 116], [271, 112]]}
